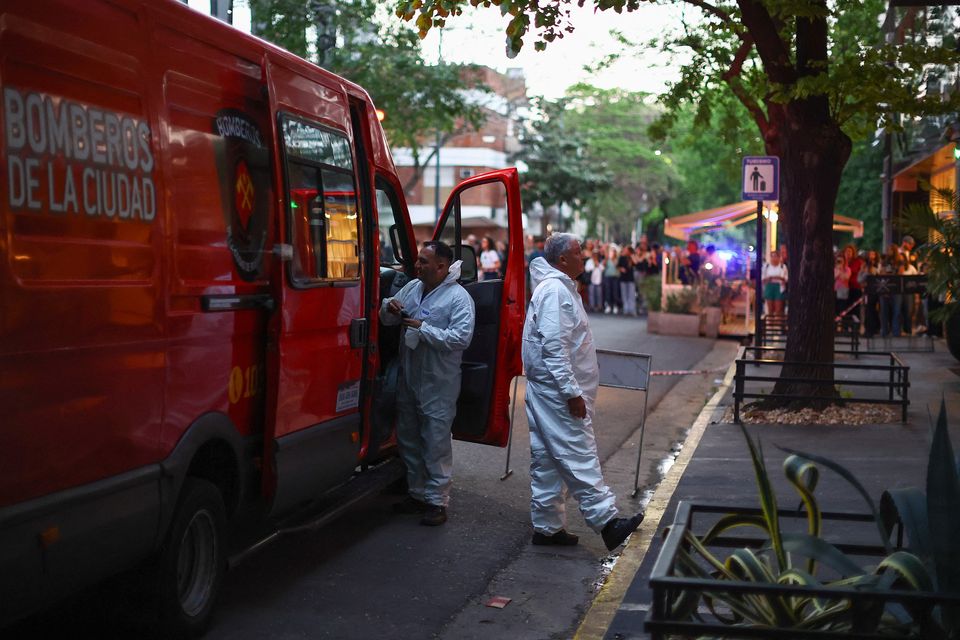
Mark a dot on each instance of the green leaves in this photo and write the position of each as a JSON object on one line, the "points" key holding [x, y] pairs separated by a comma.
{"points": [[384, 57], [852, 480], [560, 168], [768, 499], [932, 523], [940, 249], [943, 513]]}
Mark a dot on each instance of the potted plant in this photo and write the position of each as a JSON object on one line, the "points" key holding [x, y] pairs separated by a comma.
{"points": [[651, 292], [938, 236], [678, 316], [790, 583], [710, 311]]}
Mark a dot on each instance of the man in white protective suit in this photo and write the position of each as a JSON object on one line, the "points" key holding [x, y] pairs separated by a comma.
{"points": [[438, 317], [560, 362]]}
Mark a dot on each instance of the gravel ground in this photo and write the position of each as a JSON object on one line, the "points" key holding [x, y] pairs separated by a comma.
{"points": [[854, 413]]}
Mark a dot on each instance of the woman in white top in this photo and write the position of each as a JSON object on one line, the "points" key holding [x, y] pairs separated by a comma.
{"points": [[774, 279], [489, 259], [594, 269]]}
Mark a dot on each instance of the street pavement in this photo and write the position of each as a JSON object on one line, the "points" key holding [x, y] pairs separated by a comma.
{"points": [[372, 573], [717, 470]]}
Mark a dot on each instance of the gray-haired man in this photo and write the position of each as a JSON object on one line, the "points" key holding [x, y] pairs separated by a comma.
{"points": [[560, 361]]}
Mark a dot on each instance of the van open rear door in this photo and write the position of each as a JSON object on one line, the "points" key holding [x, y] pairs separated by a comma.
{"points": [[318, 334], [493, 358]]}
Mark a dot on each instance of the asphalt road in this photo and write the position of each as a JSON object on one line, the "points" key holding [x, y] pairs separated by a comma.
{"points": [[375, 574]]}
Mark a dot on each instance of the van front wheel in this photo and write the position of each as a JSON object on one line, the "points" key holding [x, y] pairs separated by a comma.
{"points": [[192, 562]]}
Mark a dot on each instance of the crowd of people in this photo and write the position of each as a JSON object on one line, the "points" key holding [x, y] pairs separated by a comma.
{"points": [[612, 280], [887, 312], [612, 274]]}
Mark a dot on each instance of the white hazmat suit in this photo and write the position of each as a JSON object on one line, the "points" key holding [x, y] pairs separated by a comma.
{"points": [[430, 381], [560, 362]]}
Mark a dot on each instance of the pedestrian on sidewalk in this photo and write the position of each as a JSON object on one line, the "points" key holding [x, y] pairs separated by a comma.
{"points": [[594, 269], [611, 281], [841, 284], [560, 361], [774, 281], [438, 317], [628, 289]]}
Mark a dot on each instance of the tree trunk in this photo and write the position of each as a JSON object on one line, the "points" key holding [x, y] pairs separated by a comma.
{"points": [[813, 152]]}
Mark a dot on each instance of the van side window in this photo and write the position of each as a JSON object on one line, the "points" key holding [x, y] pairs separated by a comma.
{"points": [[392, 236], [322, 200]]}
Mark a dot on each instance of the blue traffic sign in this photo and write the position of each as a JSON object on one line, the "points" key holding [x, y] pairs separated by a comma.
{"points": [[761, 178]]}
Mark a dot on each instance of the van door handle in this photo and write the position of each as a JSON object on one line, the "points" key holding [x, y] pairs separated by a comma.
{"points": [[212, 303], [358, 333]]}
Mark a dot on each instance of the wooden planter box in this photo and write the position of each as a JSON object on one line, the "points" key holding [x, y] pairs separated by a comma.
{"points": [[678, 324], [710, 322], [653, 321], [853, 534]]}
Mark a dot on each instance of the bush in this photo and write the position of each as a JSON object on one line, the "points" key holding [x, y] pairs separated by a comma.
{"points": [[651, 292], [682, 302]]}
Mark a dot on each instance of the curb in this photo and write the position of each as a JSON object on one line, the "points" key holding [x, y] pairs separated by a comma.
{"points": [[607, 602]]}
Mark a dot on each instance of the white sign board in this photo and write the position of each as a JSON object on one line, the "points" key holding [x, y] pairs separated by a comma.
{"points": [[623, 369], [761, 178]]}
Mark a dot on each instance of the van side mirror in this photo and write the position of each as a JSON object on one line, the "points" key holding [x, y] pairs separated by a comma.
{"points": [[468, 270]]}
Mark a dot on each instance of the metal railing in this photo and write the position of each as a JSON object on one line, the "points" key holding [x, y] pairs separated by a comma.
{"points": [[773, 332], [897, 384], [668, 583]]}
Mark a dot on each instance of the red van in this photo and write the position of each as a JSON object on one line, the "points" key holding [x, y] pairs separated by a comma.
{"points": [[196, 231]]}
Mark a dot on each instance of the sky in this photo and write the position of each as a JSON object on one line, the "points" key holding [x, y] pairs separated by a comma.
{"points": [[477, 37]]}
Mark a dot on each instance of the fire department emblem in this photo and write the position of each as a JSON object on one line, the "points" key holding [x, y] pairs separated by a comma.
{"points": [[243, 164], [244, 193]]}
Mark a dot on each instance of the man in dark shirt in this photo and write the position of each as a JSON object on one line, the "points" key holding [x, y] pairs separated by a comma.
{"points": [[690, 269]]}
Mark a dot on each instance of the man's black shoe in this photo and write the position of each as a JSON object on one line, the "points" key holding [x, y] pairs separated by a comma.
{"points": [[560, 538], [410, 505], [434, 516], [617, 530]]}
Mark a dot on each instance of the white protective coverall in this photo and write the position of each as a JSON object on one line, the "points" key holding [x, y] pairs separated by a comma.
{"points": [[560, 362], [430, 381]]}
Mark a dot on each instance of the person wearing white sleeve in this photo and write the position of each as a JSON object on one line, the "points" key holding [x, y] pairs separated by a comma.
{"points": [[438, 317], [560, 362]]}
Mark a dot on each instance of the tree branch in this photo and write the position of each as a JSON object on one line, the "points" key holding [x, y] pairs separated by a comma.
{"points": [[748, 101], [736, 67], [715, 11], [771, 48], [732, 77]]}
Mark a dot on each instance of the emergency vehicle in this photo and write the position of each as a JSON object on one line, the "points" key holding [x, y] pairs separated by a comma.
{"points": [[196, 232]]}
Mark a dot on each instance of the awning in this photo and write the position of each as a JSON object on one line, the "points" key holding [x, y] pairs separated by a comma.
{"points": [[733, 215]]}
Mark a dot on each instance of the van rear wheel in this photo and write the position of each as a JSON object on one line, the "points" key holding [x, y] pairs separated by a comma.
{"points": [[192, 562]]}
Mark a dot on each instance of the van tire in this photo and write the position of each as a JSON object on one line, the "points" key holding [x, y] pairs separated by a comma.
{"points": [[191, 563]]}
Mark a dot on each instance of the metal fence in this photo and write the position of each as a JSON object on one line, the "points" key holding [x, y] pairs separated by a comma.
{"points": [[669, 581], [773, 332], [896, 382]]}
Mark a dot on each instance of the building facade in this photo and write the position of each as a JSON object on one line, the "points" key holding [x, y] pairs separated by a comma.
{"points": [[464, 154]]}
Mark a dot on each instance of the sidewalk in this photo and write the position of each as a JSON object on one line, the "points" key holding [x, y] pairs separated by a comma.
{"points": [[714, 467]]}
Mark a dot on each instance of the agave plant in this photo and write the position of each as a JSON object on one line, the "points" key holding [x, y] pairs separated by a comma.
{"points": [[932, 520], [931, 561]]}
